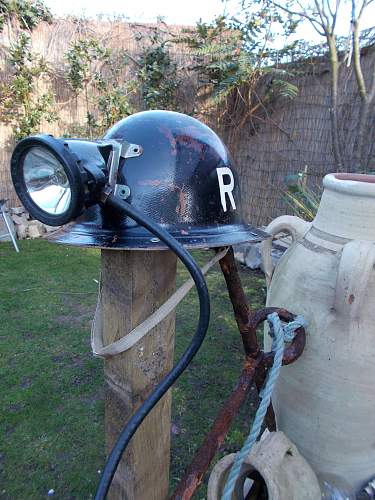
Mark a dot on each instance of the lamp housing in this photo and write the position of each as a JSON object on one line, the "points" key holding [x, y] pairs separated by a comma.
{"points": [[56, 179]]}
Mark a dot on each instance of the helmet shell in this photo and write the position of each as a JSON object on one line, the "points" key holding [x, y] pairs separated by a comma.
{"points": [[184, 180]]}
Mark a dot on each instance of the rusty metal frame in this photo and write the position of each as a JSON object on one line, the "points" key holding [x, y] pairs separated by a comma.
{"points": [[254, 371]]}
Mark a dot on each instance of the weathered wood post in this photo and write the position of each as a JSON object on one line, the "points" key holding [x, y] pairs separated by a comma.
{"points": [[134, 285]]}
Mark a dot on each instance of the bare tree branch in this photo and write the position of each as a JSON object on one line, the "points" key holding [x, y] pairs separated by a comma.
{"points": [[334, 62], [367, 96], [333, 12], [330, 8], [324, 23], [323, 16], [363, 6], [357, 52], [334, 15], [315, 24]]}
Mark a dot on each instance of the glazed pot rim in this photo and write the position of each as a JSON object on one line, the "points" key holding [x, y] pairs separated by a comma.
{"points": [[350, 183]]}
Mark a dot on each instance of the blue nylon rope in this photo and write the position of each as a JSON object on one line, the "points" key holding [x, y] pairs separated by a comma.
{"points": [[280, 334]]}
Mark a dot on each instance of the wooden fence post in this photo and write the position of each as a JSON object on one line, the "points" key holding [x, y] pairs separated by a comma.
{"points": [[134, 284]]}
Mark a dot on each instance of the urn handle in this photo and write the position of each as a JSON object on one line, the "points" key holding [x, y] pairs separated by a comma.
{"points": [[355, 272], [290, 224]]}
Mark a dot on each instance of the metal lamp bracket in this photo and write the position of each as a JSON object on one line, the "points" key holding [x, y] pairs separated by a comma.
{"points": [[124, 150]]}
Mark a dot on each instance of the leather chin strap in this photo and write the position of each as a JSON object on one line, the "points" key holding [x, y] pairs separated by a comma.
{"points": [[131, 338]]}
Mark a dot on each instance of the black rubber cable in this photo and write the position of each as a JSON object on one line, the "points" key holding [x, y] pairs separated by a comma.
{"points": [[204, 317]]}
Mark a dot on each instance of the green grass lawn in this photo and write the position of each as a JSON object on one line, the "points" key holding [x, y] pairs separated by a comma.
{"points": [[52, 410]]}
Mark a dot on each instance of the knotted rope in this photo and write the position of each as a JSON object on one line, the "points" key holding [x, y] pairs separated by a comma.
{"points": [[280, 334]]}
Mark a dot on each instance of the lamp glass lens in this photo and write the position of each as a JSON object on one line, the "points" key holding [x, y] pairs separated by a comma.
{"points": [[46, 181]]}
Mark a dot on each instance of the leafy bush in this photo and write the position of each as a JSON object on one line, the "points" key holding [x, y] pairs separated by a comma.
{"points": [[24, 104], [157, 76], [27, 14], [25, 98], [98, 73], [237, 68]]}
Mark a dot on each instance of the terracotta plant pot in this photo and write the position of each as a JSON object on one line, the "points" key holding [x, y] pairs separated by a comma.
{"points": [[286, 474]]}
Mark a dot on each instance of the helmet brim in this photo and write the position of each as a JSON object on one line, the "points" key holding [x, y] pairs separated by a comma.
{"points": [[138, 238]]}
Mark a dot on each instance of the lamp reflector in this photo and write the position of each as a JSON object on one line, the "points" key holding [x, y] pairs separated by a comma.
{"points": [[46, 181]]}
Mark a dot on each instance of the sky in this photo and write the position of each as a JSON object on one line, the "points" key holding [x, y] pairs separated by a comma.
{"points": [[180, 12], [173, 11]]}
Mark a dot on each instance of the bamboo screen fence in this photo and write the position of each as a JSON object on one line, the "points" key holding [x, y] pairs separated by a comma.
{"points": [[296, 137], [52, 42], [293, 136]]}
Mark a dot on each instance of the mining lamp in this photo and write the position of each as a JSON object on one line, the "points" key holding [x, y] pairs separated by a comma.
{"points": [[157, 180], [56, 179], [168, 166]]}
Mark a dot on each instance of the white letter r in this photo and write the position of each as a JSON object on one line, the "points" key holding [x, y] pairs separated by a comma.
{"points": [[226, 188]]}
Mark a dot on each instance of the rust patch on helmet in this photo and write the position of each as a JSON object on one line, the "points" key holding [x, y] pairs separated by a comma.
{"points": [[168, 134], [181, 207], [191, 142]]}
